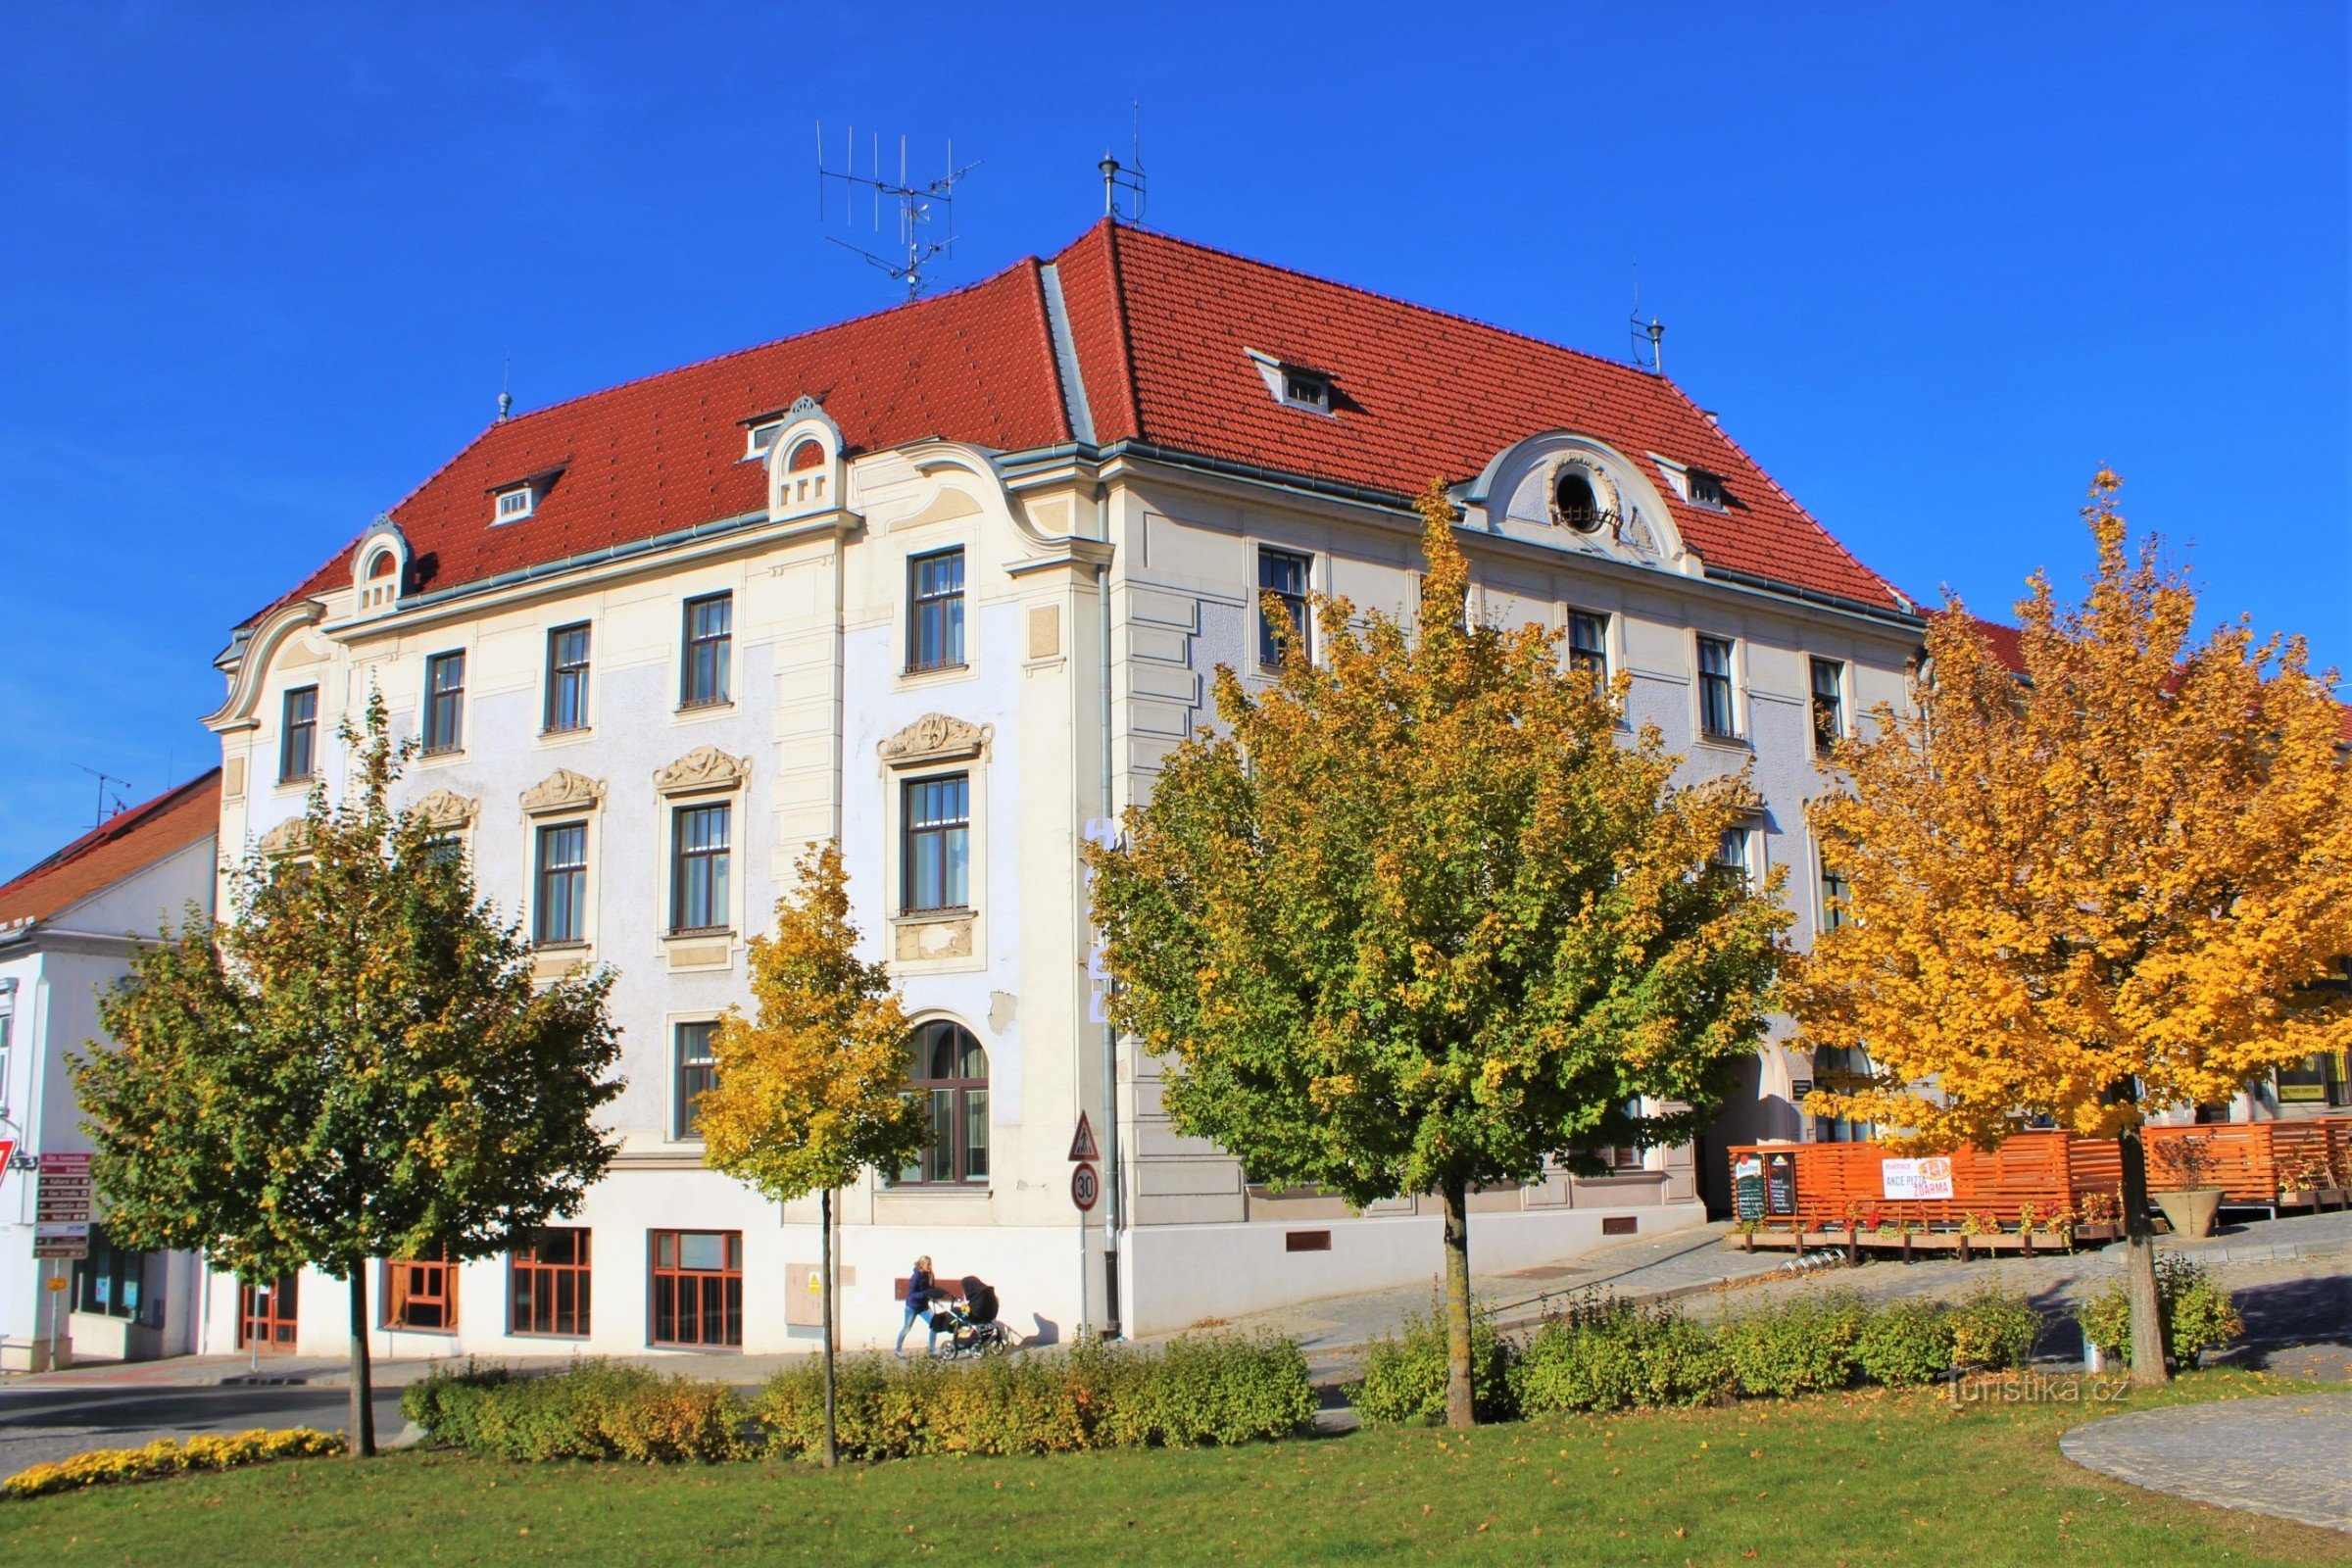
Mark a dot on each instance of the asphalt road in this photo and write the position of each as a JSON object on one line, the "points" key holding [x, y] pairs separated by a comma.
{"points": [[39, 1426]]}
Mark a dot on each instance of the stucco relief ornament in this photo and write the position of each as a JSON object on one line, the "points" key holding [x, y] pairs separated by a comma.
{"points": [[1634, 534], [563, 791], [447, 809], [287, 838], [937, 735], [706, 767]]}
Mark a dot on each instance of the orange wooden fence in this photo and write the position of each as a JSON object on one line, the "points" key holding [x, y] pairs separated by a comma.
{"points": [[2252, 1162]]}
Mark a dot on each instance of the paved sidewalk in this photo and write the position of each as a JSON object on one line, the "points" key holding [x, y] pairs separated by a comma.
{"points": [[2280, 1456]]}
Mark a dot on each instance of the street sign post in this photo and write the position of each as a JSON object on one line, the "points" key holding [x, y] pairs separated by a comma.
{"points": [[61, 1207], [1082, 1141]]}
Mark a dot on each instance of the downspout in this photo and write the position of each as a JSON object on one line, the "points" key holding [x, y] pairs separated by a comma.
{"points": [[1113, 1176]]}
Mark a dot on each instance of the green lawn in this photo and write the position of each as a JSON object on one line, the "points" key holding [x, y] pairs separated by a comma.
{"points": [[1876, 1479]]}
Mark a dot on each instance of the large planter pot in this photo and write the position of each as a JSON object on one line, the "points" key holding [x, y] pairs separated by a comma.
{"points": [[2192, 1213]]}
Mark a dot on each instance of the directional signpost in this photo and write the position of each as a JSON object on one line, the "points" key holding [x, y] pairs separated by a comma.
{"points": [[61, 1207]]}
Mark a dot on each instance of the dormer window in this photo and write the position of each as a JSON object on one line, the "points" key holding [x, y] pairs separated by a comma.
{"points": [[1703, 489], [1295, 387], [515, 503], [1573, 502], [761, 438], [382, 584]]}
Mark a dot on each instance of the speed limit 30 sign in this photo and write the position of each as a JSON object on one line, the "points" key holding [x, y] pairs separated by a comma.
{"points": [[1085, 1186]]}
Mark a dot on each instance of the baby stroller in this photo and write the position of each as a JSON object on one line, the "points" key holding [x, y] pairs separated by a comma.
{"points": [[971, 1324]]}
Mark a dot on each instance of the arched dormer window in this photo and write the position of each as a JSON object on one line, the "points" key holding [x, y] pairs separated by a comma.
{"points": [[379, 568], [805, 455], [805, 468], [949, 1070]]}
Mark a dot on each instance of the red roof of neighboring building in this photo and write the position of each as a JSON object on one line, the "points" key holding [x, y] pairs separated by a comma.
{"points": [[1160, 328], [125, 843]]}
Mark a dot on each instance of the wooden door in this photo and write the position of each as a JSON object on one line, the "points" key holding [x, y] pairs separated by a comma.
{"points": [[266, 1314]]}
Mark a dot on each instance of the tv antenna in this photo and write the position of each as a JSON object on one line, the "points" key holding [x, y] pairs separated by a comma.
{"points": [[1127, 176], [920, 206], [103, 780], [1653, 332]]}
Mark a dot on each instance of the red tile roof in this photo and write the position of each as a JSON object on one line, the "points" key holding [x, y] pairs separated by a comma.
{"points": [[125, 843], [1160, 328]]}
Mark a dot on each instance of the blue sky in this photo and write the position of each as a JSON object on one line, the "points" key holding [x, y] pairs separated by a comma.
{"points": [[260, 267]]}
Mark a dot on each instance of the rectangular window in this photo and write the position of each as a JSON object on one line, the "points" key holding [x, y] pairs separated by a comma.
{"points": [[566, 679], [443, 703], [937, 847], [298, 742], [696, 1075], [1829, 705], [7, 1022], [1715, 711], [1285, 576], [560, 912], [934, 610], [1733, 852], [548, 1284], [1833, 897], [698, 868], [116, 1282], [422, 1295], [698, 1287], [1589, 643], [708, 650]]}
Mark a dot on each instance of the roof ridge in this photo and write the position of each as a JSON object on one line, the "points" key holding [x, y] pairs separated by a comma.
{"points": [[1481, 323]]}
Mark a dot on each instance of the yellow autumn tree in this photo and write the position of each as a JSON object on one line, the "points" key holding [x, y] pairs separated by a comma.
{"points": [[2111, 885], [811, 1087]]}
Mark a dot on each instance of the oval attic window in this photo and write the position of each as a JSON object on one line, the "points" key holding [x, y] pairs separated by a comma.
{"points": [[1573, 503]]}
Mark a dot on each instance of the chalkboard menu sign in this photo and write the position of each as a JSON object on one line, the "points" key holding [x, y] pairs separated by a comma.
{"points": [[1747, 1186], [1780, 1183]]}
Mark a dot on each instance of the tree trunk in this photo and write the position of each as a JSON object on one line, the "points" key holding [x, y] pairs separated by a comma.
{"points": [[825, 1267], [2140, 1265], [1462, 1409], [363, 1402]]}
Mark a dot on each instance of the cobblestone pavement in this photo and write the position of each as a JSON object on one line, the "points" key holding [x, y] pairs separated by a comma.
{"points": [[2281, 1456]]}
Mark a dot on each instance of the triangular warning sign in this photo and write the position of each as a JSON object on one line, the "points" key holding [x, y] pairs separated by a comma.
{"points": [[1082, 1142]]}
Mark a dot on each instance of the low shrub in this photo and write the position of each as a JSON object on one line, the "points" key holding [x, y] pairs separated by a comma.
{"points": [[1801, 1347], [593, 1410], [1608, 1355], [1905, 1343], [1404, 1377], [168, 1458], [2196, 1310], [1993, 1330], [1199, 1390]]}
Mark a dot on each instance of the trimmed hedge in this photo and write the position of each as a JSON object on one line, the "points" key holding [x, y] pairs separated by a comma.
{"points": [[1196, 1391], [2198, 1312], [1600, 1354], [168, 1458]]}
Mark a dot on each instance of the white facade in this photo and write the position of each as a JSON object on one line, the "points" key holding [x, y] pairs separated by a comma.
{"points": [[53, 970], [1100, 591]]}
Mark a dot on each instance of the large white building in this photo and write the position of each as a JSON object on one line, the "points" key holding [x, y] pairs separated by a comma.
{"points": [[70, 927], [948, 582]]}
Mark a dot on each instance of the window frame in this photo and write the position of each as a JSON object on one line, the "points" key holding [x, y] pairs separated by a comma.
{"points": [[443, 731], [501, 514], [684, 1115], [576, 873], [1745, 864], [401, 1279], [289, 726], [547, 1282], [1726, 680], [949, 607], [721, 646], [1597, 657], [568, 678], [773, 430], [1298, 606], [713, 865], [952, 1101], [1835, 699], [1831, 889], [727, 1278], [954, 833], [111, 1263]]}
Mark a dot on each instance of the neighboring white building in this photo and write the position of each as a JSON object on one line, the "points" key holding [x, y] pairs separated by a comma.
{"points": [[948, 582], [69, 929]]}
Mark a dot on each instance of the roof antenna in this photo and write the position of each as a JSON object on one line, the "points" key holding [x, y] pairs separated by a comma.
{"points": [[1654, 362], [103, 780], [506, 393], [919, 206], [1127, 176]]}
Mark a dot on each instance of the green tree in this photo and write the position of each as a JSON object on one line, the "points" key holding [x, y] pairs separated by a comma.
{"points": [[358, 1065], [1417, 922], [811, 1090]]}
